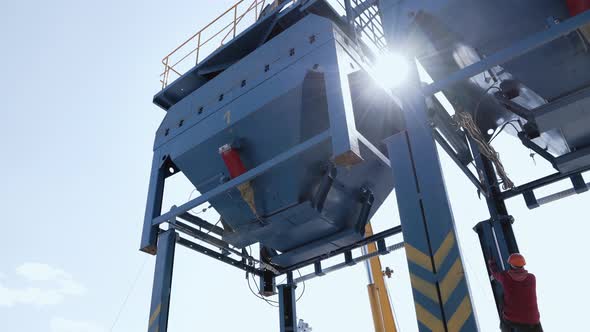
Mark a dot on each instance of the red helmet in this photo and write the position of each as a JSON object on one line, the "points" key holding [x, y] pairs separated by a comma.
{"points": [[516, 260]]}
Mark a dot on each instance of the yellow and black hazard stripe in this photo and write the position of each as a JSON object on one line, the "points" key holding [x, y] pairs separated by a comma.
{"points": [[444, 291], [154, 318]]}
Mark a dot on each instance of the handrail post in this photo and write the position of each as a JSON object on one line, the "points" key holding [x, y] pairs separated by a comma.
{"points": [[256, 10], [198, 48], [235, 19], [166, 70]]}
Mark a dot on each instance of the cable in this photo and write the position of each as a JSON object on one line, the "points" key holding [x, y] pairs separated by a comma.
{"points": [[138, 274], [484, 94], [502, 128], [465, 120], [303, 291], [272, 303], [191, 210], [217, 223]]}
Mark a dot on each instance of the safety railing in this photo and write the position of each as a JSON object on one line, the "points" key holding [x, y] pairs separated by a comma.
{"points": [[367, 22], [240, 16], [215, 34]]}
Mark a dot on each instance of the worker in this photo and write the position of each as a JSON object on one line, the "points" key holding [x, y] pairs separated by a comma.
{"points": [[520, 311]]}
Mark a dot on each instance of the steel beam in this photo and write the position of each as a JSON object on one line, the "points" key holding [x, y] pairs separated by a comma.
{"points": [[153, 206], [287, 308], [201, 223], [449, 150], [520, 48], [160, 306], [241, 264], [537, 149], [441, 292], [370, 239], [539, 183], [251, 174], [345, 143], [348, 262]]}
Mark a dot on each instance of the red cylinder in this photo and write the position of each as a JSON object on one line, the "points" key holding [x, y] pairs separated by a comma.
{"points": [[578, 6], [232, 161]]}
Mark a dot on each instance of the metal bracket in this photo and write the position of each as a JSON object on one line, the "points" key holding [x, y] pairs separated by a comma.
{"points": [[324, 188], [579, 183], [540, 151]]}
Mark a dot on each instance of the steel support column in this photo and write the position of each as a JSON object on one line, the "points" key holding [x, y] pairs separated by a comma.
{"points": [[162, 282], [287, 304], [153, 209], [495, 235], [441, 292]]}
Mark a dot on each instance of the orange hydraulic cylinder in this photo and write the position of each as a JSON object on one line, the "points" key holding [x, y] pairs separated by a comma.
{"points": [[380, 304]]}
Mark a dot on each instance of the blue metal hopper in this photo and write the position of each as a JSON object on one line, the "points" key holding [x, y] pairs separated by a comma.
{"points": [[308, 80]]}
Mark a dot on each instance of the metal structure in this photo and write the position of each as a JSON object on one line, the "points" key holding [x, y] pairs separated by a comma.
{"points": [[381, 307], [286, 133]]}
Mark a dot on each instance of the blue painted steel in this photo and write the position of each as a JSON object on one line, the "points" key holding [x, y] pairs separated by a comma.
{"points": [[521, 48], [345, 250], [160, 306], [293, 152], [154, 205], [427, 222], [287, 308], [463, 43], [440, 288], [449, 150], [303, 102], [293, 94], [542, 182]]}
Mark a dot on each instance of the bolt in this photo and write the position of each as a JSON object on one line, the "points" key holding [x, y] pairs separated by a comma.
{"points": [[388, 272]]}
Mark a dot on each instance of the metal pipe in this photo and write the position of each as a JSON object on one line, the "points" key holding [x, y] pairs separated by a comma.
{"points": [[364, 251], [558, 195], [342, 265], [195, 220], [542, 182]]}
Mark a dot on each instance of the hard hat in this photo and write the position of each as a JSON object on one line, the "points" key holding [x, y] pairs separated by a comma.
{"points": [[516, 260]]}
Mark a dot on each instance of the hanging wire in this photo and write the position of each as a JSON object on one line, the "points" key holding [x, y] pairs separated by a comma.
{"points": [[190, 196], [137, 275], [465, 120], [502, 128], [272, 303], [210, 229], [483, 95], [303, 291], [268, 301]]}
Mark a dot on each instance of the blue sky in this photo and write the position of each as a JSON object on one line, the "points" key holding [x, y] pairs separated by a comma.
{"points": [[76, 134]]}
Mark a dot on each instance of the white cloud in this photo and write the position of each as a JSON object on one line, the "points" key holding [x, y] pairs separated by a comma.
{"points": [[41, 272], [59, 324], [50, 286], [72, 287], [31, 295]]}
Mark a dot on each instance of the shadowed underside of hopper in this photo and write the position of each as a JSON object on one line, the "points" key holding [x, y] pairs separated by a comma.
{"points": [[307, 81], [547, 91]]}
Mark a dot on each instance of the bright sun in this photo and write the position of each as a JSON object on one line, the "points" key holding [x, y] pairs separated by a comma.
{"points": [[391, 69]]}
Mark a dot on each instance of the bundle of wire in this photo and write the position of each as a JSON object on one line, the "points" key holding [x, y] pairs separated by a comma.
{"points": [[465, 120]]}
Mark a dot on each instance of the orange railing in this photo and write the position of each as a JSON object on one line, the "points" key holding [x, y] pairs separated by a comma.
{"points": [[221, 30]]}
